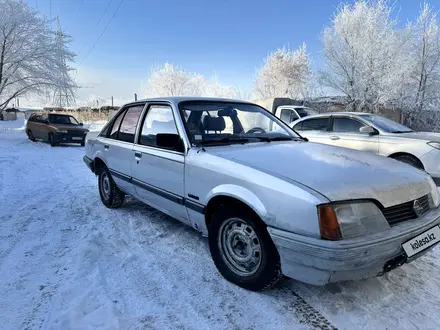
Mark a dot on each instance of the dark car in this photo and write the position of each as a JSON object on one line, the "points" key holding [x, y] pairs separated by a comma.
{"points": [[55, 129]]}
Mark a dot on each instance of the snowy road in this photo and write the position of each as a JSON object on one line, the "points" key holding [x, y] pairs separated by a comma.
{"points": [[67, 262]]}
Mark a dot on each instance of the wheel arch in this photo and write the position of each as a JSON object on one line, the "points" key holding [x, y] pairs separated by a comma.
{"points": [[98, 165], [401, 153], [232, 194]]}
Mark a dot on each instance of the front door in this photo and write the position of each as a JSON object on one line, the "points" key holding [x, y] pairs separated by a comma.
{"points": [[158, 173], [118, 146], [345, 133]]}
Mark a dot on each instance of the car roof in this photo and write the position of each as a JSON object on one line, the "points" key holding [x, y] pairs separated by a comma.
{"points": [[177, 99]]}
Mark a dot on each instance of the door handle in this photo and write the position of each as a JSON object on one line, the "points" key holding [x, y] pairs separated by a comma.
{"points": [[106, 146], [138, 154], [334, 137]]}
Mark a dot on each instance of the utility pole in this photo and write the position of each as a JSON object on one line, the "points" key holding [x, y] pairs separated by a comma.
{"points": [[112, 100], [135, 97]]}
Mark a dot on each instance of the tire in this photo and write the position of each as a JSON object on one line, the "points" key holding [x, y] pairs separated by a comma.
{"points": [[410, 160], [52, 140], [30, 135], [247, 236], [83, 144], [109, 192]]}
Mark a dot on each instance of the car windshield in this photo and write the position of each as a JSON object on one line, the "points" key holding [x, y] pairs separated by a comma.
{"points": [[304, 112], [62, 120], [386, 124], [211, 122]]}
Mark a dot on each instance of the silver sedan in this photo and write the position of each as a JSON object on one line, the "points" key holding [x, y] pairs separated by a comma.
{"points": [[376, 134], [269, 202]]}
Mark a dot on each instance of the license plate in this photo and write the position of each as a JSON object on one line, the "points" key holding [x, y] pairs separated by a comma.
{"points": [[77, 138], [422, 241]]}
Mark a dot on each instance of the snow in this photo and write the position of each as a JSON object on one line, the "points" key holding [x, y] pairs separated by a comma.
{"points": [[67, 262]]}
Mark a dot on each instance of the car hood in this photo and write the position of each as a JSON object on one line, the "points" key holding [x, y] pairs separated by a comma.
{"points": [[428, 136], [337, 173], [70, 127]]}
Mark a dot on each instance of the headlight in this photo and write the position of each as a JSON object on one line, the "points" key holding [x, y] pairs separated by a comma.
{"points": [[347, 220], [434, 144], [434, 193], [61, 131]]}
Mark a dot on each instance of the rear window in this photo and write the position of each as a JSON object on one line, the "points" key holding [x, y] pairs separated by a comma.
{"points": [[313, 124]]}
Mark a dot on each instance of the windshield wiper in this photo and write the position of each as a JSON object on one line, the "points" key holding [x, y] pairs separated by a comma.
{"points": [[223, 141], [279, 138], [401, 132]]}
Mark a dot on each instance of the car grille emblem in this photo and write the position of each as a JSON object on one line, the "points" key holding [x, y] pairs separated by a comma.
{"points": [[418, 208]]}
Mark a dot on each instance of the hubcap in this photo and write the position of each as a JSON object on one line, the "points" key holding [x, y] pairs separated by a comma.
{"points": [[105, 185], [240, 247]]}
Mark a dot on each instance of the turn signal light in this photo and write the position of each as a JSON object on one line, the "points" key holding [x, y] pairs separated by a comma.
{"points": [[328, 223]]}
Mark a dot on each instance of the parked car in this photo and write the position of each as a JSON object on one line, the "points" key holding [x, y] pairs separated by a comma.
{"points": [[55, 129], [288, 110], [269, 202], [376, 134]]}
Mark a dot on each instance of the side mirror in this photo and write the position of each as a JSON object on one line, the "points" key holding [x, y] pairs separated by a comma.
{"points": [[368, 130], [169, 141], [81, 124]]}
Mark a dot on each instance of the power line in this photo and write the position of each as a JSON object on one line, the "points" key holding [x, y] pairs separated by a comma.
{"points": [[105, 28], [96, 26]]}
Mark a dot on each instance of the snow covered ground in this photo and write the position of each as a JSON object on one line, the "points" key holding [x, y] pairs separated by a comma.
{"points": [[67, 262]]}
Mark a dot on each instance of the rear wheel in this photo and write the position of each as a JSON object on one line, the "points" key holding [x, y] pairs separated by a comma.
{"points": [[51, 140], [242, 249], [30, 135], [410, 160], [110, 194]]}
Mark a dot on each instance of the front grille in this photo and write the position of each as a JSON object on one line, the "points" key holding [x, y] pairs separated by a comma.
{"points": [[405, 211]]}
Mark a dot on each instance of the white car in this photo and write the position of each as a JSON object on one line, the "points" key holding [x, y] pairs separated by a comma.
{"points": [[269, 202], [376, 134]]}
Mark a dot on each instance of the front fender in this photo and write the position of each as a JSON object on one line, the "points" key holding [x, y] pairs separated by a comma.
{"points": [[242, 194]]}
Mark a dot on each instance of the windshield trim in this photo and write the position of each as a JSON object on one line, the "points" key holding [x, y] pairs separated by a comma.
{"points": [[282, 124]]}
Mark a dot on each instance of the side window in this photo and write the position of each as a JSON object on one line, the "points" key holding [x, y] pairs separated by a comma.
{"points": [[115, 128], [288, 115], [346, 125], [129, 124], [159, 119], [314, 124]]}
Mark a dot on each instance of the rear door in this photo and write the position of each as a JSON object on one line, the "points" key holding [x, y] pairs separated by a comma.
{"points": [[38, 126], [158, 173], [315, 129], [345, 133], [118, 146]]}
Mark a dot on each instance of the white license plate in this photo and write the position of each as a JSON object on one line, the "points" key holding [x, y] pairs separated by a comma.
{"points": [[77, 138], [422, 241]]}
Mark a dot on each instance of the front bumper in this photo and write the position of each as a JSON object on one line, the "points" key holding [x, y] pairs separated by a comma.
{"points": [[77, 137], [318, 262]]}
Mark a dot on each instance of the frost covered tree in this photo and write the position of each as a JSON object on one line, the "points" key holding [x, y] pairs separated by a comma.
{"points": [[424, 60], [31, 58], [285, 73], [363, 55], [172, 80]]}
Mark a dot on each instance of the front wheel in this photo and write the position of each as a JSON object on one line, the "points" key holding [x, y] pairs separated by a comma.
{"points": [[110, 194], [31, 136], [51, 139], [242, 249], [410, 160]]}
